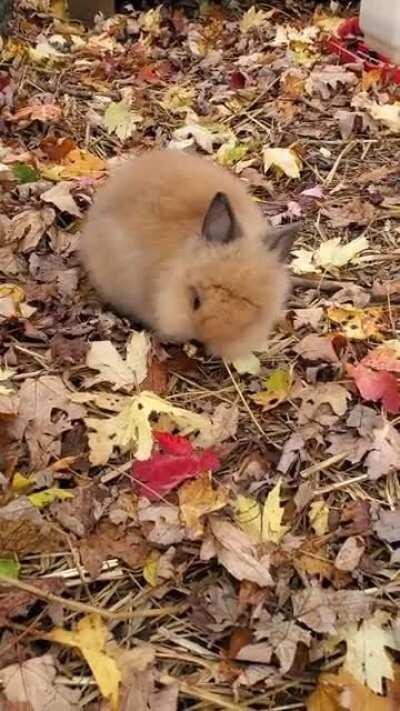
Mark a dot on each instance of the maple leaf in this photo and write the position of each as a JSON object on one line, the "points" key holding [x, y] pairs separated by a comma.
{"points": [[253, 19], [119, 119], [381, 386], [75, 164], [34, 682], [277, 389], [358, 324], [104, 357], [329, 255], [285, 159], [328, 77], [60, 196], [177, 461], [336, 692], [384, 357], [90, 636], [198, 498], [366, 658], [131, 428]]}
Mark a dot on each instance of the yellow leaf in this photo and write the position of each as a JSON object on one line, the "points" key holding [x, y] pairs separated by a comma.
{"points": [[329, 23], [198, 498], [285, 159], [177, 99], [20, 483], [90, 636], [150, 569], [329, 255], [253, 19], [249, 517], [358, 324], [272, 528], [131, 430], [319, 515], [119, 119], [77, 163], [277, 388], [251, 365], [388, 114], [150, 21], [41, 499]]}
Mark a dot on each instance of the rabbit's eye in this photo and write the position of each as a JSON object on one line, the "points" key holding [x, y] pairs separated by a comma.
{"points": [[196, 301]]}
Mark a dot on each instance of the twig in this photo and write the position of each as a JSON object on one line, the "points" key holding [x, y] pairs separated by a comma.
{"points": [[246, 405], [349, 147], [319, 466], [89, 609]]}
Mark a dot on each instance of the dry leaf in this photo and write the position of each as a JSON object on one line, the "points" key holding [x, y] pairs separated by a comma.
{"points": [[326, 80], [34, 682], [284, 159], [90, 637], [319, 516], [329, 255], [358, 324], [261, 523], [323, 610], [119, 119], [198, 498], [237, 554], [350, 554], [336, 692], [366, 658], [104, 357], [277, 389], [250, 365], [60, 196]]}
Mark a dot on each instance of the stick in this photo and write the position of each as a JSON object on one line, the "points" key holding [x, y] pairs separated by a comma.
{"points": [[84, 607]]}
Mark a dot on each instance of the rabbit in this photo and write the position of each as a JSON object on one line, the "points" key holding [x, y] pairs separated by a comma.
{"points": [[175, 241]]}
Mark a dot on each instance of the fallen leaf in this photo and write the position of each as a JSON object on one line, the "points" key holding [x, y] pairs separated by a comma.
{"points": [[323, 610], [377, 387], [387, 114], [336, 692], [253, 19], [327, 79], [119, 119], [104, 357], [277, 389], [358, 324], [319, 517], [366, 658], [310, 316], [177, 461], [37, 112], [35, 424], [387, 525], [23, 531], [131, 428], [198, 498], [349, 555], [60, 196], [9, 568], [90, 637], [41, 499], [384, 357], [77, 163], [285, 159], [283, 638], [250, 365], [262, 523], [315, 399], [110, 541], [28, 227], [313, 347], [354, 212], [238, 555], [329, 255], [35, 683], [25, 173]]}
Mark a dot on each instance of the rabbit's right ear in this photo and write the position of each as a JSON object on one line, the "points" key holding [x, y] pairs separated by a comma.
{"points": [[219, 226]]}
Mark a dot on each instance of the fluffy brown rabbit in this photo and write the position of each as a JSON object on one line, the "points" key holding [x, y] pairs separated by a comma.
{"points": [[176, 242]]}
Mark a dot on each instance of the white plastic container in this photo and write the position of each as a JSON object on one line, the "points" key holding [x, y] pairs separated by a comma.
{"points": [[380, 23]]}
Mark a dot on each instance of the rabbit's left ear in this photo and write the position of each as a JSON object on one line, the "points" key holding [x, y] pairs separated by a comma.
{"points": [[219, 226], [280, 239]]}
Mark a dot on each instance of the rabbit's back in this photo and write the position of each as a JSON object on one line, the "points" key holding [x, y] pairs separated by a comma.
{"points": [[142, 217]]}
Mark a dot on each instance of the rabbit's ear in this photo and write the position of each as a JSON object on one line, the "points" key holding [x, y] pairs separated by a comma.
{"points": [[281, 239], [219, 226]]}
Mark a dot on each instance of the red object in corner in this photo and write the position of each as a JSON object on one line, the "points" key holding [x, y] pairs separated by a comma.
{"points": [[350, 47]]}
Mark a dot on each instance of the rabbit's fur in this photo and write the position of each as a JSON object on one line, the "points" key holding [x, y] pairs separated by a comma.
{"points": [[176, 242]]}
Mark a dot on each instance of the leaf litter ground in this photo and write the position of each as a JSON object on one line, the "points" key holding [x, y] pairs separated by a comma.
{"points": [[177, 532]]}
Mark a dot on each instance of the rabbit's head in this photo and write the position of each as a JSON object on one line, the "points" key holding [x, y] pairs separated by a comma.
{"points": [[227, 287]]}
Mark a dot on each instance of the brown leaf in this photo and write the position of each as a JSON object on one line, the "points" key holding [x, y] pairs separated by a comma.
{"points": [[283, 637], [109, 541], [313, 347], [354, 212], [315, 400], [81, 514], [349, 555], [323, 610], [37, 421], [15, 603], [24, 531], [28, 227], [34, 681], [387, 527], [68, 351]]}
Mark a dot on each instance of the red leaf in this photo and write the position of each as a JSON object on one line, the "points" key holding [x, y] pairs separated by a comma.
{"points": [[176, 461], [377, 386]]}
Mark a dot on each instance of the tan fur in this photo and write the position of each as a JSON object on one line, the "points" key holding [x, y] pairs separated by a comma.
{"points": [[143, 250]]}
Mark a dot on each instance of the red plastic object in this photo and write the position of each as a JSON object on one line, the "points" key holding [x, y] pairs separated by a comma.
{"points": [[350, 47]]}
